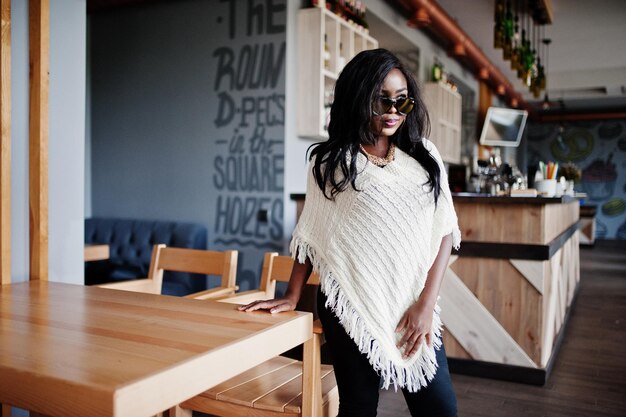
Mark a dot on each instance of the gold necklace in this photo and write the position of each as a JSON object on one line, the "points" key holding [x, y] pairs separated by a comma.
{"points": [[377, 160]]}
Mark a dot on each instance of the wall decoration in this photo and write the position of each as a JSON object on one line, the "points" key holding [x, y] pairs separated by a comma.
{"points": [[614, 207], [248, 155], [599, 148], [575, 145], [599, 179], [188, 114]]}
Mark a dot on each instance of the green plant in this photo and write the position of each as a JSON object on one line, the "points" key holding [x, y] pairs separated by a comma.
{"points": [[570, 171]]}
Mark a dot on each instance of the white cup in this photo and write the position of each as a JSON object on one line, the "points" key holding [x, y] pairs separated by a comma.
{"points": [[547, 188]]}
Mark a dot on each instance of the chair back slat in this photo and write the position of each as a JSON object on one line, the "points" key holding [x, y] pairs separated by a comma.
{"points": [[191, 260], [281, 270], [155, 273], [278, 268], [199, 261]]}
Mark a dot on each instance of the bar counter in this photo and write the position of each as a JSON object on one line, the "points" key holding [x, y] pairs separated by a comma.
{"points": [[508, 290]]}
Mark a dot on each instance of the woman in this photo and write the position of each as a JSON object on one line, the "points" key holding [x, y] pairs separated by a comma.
{"points": [[378, 225]]}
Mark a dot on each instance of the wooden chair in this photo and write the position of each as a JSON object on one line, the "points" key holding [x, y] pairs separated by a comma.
{"points": [[194, 261], [275, 268], [280, 386]]}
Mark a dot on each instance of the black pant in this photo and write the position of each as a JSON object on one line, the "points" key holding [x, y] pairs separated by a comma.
{"points": [[358, 383]]}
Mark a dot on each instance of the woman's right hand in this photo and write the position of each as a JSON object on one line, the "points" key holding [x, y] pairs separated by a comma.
{"points": [[275, 305]]}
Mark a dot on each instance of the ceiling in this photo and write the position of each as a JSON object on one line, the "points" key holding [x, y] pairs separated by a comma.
{"points": [[587, 55]]}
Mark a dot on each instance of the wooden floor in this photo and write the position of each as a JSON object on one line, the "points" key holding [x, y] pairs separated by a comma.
{"points": [[589, 375]]}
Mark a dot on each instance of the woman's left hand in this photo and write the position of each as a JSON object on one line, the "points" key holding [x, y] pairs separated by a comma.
{"points": [[415, 327]]}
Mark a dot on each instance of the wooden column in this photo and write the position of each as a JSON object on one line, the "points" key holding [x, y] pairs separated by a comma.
{"points": [[5, 152], [484, 102], [39, 40], [5, 141]]}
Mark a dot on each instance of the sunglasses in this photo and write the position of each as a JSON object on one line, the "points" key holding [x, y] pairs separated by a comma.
{"points": [[403, 105]]}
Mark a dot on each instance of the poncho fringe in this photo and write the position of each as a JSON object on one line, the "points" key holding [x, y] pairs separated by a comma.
{"points": [[390, 373]]}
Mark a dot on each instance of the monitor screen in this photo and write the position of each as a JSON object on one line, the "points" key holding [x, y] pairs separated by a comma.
{"points": [[503, 127]]}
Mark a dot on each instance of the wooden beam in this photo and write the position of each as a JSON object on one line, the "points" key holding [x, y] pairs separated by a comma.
{"points": [[484, 102], [543, 13], [5, 152], [39, 41], [5, 142]]}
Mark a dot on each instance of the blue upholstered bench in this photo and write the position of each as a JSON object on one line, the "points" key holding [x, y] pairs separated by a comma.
{"points": [[130, 245]]}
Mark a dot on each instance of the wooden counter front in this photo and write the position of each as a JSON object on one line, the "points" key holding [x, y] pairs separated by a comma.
{"points": [[506, 293]]}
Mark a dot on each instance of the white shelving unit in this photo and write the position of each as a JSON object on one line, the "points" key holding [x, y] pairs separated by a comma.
{"points": [[444, 108], [318, 26]]}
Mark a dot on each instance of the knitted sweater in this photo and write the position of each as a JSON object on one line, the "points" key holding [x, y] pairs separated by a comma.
{"points": [[373, 249]]}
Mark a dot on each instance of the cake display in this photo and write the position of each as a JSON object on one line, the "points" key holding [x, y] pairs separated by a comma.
{"points": [[599, 179]]}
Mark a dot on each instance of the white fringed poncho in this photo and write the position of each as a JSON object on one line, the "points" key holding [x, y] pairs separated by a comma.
{"points": [[373, 249]]}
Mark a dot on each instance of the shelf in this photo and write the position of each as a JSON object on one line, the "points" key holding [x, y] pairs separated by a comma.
{"points": [[320, 33], [444, 109]]}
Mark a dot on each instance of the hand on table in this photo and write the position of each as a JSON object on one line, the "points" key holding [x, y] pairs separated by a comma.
{"points": [[275, 305]]}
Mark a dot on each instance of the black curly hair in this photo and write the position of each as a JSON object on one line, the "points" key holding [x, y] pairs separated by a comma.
{"points": [[358, 85]]}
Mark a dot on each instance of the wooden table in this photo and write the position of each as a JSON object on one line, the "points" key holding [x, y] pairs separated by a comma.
{"points": [[96, 252], [71, 350]]}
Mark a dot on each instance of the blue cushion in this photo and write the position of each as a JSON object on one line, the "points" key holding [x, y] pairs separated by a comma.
{"points": [[130, 245]]}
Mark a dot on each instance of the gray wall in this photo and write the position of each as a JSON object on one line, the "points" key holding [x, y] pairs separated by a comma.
{"points": [[66, 140], [187, 119]]}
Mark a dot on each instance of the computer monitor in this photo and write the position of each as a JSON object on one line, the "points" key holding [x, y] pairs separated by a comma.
{"points": [[503, 127]]}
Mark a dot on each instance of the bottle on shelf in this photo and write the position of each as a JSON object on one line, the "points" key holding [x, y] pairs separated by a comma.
{"points": [[339, 8], [348, 12], [341, 59], [328, 101], [326, 53], [437, 71], [352, 11]]}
